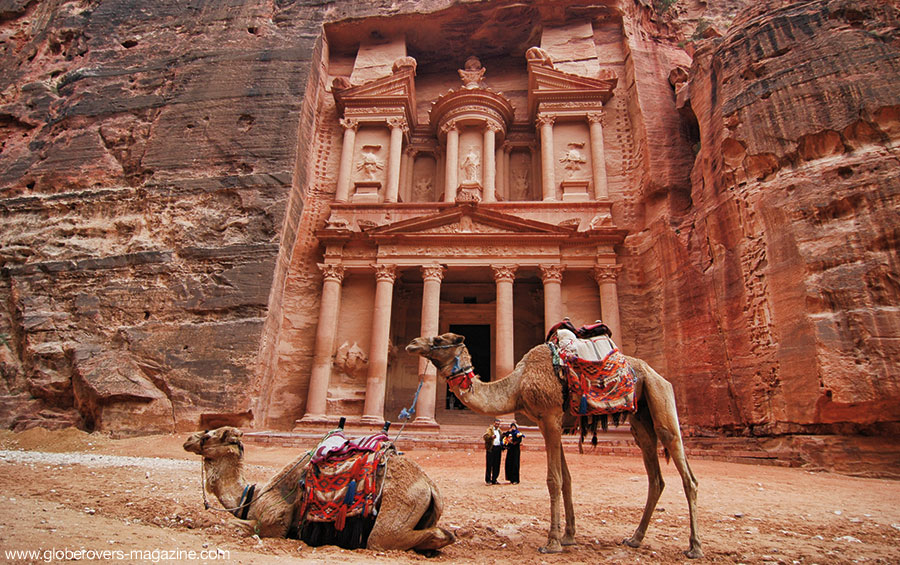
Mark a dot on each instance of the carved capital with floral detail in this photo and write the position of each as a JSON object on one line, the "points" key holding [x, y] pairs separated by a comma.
{"points": [[606, 273], [398, 123], [494, 127], [433, 273], [332, 272], [552, 273], [385, 272], [451, 125], [595, 117], [504, 272], [350, 123], [546, 119]]}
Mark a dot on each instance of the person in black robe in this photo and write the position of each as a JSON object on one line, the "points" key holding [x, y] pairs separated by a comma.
{"points": [[512, 441]]}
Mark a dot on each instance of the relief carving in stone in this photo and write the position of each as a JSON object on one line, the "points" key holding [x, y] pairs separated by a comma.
{"points": [[573, 159], [422, 189], [351, 360], [470, 165], [473, 74], [369, 163]]}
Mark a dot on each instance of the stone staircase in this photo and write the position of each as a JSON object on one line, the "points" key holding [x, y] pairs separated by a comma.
{"points": [[616, 441]]}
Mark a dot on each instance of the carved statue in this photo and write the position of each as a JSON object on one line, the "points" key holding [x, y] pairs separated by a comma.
{"points": [[422, 189], [370, 164], [573, 159], [470, 165], [473, 73], [351, 360]]}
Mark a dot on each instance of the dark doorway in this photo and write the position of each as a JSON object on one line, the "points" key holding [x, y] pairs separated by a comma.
{"points": [[478, 342]]}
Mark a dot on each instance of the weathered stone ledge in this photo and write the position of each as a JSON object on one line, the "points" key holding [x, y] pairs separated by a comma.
{"points": [[93, 264]]}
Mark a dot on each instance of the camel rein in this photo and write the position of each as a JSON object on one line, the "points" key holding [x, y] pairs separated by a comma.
{"points": [[460, 377], [243, 507]]}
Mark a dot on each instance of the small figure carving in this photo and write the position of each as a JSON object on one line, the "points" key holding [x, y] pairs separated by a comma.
{"points": [[520, 183], [404, 63], [470, 165], [340, 83], [573, 159], [537, 56], [473, 73], [370, 164], [422, 190], [351, 360]]}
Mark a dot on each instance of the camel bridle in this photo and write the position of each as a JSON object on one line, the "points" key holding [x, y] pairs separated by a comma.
{"points": [[460, 377]]}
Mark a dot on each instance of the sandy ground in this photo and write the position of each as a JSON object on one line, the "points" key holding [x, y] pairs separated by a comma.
{"points": [[144, 505]]}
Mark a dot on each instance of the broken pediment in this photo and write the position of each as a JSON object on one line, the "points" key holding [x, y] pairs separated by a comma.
{"points": [[380, 97], [547, 85]]}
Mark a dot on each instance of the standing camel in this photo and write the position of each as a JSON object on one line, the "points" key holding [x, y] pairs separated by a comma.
{"points": [[534, 389], [410, 505]]}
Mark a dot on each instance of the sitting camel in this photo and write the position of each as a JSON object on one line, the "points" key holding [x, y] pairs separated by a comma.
{"points": [[534, 389], [410, 503]]}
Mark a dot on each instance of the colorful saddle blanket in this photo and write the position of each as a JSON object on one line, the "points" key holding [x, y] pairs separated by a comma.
{"points": [[341, 481], [595, 387]]}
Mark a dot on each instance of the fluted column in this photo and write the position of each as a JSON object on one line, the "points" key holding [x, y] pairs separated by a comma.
{"points": [[548, 177], [598, 157], [397, 125], [431, 307], [376, 378], [504, 275], [329, 307], [490, 163], [606, 276], [552, 275], [342, 193], [451, 163]]}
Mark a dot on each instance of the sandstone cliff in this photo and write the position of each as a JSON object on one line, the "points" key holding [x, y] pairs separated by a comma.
{"points": [[155, 168]]}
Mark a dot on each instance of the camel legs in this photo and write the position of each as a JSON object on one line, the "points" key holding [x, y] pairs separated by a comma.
{"points": [[569, 537], [645, 436], [410, 508], [553, 446]]}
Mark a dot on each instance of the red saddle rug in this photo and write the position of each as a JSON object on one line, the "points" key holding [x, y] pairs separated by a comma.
{"points": [[598, 387], [341, 480]]}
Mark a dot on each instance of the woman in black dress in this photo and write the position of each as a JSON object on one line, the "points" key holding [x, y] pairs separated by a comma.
{"points": [[512, 441]]}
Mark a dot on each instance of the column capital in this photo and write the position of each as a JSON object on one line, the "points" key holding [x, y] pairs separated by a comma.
{"points": [[552, 273], [492, 126], [385, 272], [546, 119], [449, 126], [606, 273], [507, 147], [332, 271], [398, 123], [595, 116], [433, 272], [504, 272], [349, 123]]}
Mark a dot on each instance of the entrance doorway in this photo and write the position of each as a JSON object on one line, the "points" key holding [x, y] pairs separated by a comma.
{"points": [[478, 342]]}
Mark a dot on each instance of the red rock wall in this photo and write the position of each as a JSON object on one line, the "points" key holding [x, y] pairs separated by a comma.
{"points": [[779, 286]]}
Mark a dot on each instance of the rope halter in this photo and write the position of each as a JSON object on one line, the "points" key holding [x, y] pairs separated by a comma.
{"points": [[460, 377]]}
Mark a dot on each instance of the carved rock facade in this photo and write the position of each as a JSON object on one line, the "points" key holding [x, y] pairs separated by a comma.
{"points": [[175, 246]]}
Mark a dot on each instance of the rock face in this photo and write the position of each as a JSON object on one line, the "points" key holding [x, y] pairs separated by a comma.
{"points": [[157, 179]]}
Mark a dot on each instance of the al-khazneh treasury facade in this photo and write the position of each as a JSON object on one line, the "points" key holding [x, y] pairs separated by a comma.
{"points": [[453, 196]]}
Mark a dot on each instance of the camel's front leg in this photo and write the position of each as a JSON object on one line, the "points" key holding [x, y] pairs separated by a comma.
{"points": [[553, 446], [646, 439], [569, 536]]}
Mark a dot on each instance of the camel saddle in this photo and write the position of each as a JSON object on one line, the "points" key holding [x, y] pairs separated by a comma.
{"points": [[599, 380], [341, 481]]}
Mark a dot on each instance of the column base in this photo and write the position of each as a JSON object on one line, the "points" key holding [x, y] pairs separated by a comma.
{"points": [[427, 424], [313, 419], [575, 190], [371, 420]]}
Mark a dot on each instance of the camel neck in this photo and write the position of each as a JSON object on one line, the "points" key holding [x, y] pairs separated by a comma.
{"points": [[493, 398], [225, 478]]}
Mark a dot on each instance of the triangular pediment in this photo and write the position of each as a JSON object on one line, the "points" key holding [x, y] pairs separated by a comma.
{"points": [[470, 221], [546, 84]]}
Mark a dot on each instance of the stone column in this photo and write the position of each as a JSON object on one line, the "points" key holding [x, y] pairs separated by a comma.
{"points": [[431, 307], [329, 307], [504, 275], [376, 378], [504, 185], [489, 148], [342, 193], [598, 157], [397, 125], [552, 275], [606, 275], [548, 163], [406, 161], [451, 163]]}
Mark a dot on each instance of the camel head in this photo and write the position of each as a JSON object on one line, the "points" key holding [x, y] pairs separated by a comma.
{"points": [[449, 355], [216, 443]]}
